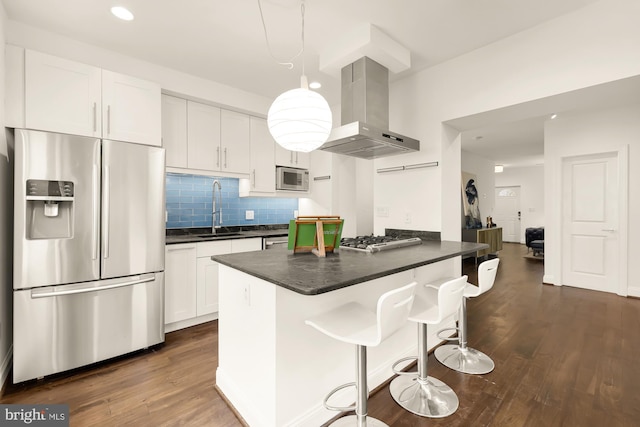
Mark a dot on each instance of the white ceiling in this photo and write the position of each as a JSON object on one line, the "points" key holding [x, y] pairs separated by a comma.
{"points": [[224, 40]]}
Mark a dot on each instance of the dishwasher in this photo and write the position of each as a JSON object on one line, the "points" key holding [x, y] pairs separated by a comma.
{"points": [[274, 242]]}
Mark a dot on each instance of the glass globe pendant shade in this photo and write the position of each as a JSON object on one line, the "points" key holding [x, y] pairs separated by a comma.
{"points": [[300, 120]]}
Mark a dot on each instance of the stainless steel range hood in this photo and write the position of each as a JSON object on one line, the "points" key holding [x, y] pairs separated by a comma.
{"points": [[365, 115]]}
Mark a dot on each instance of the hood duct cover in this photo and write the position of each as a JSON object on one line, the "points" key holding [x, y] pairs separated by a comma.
{"points": [[365, 115]]}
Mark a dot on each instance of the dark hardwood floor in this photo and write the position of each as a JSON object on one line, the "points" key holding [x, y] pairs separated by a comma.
{"points": [[564, 357]]}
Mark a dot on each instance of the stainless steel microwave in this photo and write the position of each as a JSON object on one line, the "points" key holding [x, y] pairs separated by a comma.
{"points": [[292, 179]]}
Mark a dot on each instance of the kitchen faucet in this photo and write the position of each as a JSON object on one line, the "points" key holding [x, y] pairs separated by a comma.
{"points": [[217, 207]]}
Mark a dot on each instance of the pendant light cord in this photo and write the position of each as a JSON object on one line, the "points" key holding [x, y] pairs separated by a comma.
{"points": [[287, 62]]}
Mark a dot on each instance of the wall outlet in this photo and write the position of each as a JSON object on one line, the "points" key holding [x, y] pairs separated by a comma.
{"points": [[248, 215], [382, 211], [407, 218], [247, 294]]}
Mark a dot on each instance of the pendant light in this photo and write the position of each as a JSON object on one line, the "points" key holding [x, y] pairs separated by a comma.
{"points": [[299, 119]]}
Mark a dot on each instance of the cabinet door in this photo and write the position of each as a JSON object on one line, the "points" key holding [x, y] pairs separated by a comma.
{"points": [[131, 109], [263, 170], [61, 95], [294, 159], [302, 160], [180, 283], [207, 278], [235, 140], [203, 130], [174, 130], [207, 275]]}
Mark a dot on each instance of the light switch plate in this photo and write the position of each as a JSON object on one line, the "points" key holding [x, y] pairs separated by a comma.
{"points": [[248, 215]]}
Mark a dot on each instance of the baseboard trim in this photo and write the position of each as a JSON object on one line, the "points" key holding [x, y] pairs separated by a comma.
{"points": [[633, 291], [171, 327], [548, 279]]}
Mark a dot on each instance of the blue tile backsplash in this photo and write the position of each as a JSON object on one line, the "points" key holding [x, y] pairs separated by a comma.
{"points": [[189, 203]]}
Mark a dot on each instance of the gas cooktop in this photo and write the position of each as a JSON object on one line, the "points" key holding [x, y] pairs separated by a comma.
{"points": [[376, 243]]}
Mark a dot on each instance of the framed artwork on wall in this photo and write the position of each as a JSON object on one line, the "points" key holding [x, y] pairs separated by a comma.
{"points": [[471, 201]]}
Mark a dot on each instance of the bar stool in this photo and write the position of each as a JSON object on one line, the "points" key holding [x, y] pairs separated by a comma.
{"points": [[459, 357], [416, 391], [353, 323]]}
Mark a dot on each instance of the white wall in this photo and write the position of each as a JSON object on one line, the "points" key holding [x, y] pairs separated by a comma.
{"points": [[593, 45], [170, 80], [484, 170], [6, 227], [582, 134], [530, 179]]}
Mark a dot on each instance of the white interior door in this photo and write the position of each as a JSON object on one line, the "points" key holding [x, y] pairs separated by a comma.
{"points": [[590, 208], [506, 213]]}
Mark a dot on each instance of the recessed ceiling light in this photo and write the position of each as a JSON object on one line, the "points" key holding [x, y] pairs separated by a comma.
{"points": [[553, 116], [498, 169], [122, 13], [315, 85]]}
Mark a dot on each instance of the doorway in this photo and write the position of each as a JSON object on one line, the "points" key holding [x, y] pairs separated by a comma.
{"points": [[593, 217], [506, 213]]}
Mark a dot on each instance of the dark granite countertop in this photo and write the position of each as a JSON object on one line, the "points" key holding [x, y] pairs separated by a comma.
{"points": [[308, 274], [194, 235]]}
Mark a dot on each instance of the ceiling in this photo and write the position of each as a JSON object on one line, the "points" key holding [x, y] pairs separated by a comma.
{"points": [[224, 41]]}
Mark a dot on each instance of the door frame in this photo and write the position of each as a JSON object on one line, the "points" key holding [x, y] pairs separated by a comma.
{"points": [[520, 234], [622, 156]]}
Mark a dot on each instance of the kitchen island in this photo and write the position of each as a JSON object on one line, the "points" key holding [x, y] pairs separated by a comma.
{"points": [[273, 368]]}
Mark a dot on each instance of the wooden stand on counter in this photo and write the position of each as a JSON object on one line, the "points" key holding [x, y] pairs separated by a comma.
{"points": [[309, 234]]}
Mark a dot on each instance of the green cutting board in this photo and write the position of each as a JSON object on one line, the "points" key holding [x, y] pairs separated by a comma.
{"points": [[307, 233]]}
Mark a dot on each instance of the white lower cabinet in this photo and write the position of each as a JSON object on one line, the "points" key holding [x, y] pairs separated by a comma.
{"points": [[207, 275], [180, 282], [191, 280]]}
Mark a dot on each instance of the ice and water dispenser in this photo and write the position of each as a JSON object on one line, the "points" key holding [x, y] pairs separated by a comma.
{"points": [[49, 212]]}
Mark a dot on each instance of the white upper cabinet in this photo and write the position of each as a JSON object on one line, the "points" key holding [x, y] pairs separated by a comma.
{"points": [[263, 171], [203, 137], [131, 109], [62, 96], [294, 159], [174, 130], [70, 97], [235, 142]]}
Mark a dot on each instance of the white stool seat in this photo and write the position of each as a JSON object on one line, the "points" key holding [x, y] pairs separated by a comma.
{"points": [[352, 323], [416, 391], [356, 324], [470, 290], [459, 357]]}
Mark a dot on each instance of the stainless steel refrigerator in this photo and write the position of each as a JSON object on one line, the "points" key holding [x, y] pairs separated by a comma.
{"points": [[88, 251]]}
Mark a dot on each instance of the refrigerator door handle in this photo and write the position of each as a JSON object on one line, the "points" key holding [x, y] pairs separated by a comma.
{"points": [[142, 279], [96, 213], [105, 211]]}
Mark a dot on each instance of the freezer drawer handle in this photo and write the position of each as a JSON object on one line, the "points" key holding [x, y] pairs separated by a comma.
{"points": [[85, 290]]}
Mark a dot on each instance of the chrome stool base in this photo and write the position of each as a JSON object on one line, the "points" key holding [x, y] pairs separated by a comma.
{"points": [[431, 398], [352, 421], [467, 360]]}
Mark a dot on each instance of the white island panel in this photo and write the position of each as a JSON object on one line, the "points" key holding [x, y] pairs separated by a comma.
{"points": [[276, 371], [247, 345]]}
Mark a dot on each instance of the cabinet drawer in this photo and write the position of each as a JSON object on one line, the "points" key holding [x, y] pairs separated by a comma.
{"points": [[214, 248], [246, 245]]}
